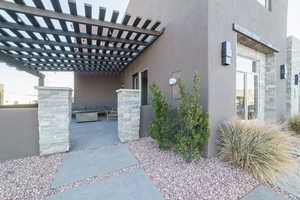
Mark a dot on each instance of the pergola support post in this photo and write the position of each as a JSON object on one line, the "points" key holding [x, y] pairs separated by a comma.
{"points": [[41, 81], [54, 116], [129, 114]]}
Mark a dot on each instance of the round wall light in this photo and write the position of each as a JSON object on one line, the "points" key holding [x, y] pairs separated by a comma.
{"points": [[172, 81]]}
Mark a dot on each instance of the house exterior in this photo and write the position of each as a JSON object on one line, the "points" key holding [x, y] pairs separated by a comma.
{"points": [[251, 84]]}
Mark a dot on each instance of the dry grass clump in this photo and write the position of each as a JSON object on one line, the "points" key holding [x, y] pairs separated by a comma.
{"points": [[261, 149], [294, 124]]}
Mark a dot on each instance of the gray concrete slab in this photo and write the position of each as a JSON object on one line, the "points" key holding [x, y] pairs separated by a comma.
{"points": [[87, 164], [93, 134], [291, 183], [134, 185], [261, 192]]}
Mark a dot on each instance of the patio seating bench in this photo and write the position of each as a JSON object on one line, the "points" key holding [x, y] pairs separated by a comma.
{"points": [[86, 116]]}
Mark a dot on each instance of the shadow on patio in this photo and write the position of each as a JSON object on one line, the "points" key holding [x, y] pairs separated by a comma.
{"points": [[93, 134]]}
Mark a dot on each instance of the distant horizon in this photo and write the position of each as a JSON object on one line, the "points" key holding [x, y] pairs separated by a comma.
{"points": [[19, 86]]}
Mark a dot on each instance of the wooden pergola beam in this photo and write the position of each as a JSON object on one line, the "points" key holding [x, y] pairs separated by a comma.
{"points": [[59, 52], [14, 26], [72, 64], [49, 58], [67, 17], [71, 68], [63, 44], [19, 65]]}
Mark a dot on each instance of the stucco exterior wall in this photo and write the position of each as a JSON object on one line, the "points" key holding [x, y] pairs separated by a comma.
{"points": [[192, 42], [182, 49], [269, 25], [19, 133], [96, 89]]}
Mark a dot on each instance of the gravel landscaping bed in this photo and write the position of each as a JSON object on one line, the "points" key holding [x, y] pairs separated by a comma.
{"points": [[28, 178], [203, 179]]}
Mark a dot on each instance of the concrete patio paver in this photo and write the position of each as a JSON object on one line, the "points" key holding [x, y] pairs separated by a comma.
{"points": [[78, 166], [291, 183], [93, 134], [134, 185], [261, 192]]}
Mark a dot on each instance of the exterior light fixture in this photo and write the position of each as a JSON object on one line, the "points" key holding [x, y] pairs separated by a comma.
{"points": [[172, 81], [296, 79], [226, 53], [282, 72]]}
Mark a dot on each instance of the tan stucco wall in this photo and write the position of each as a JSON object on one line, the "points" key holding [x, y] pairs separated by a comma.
{"points": [[268, 25], [19, 133], [182, 49], [195, 30], [93, 89]]}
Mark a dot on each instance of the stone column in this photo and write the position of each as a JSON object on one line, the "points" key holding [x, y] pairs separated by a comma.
{"points": [[293, 69], [129, 112], [54, 115], [41, 81]]}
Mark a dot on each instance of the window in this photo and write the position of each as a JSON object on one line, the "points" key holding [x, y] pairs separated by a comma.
{"points": [[246, 89], [265, 3], [145, 88], [135, 81], [141, 78]]}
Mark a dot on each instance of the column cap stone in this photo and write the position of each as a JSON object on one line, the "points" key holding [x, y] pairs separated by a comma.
{"points": [[54, 88], [128, 90]]}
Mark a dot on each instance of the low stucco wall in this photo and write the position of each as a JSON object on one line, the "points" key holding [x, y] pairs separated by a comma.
{"points": [[19, 136]]}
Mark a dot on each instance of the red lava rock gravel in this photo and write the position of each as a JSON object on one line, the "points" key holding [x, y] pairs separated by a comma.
{"points": [[209, 179], [28, 178]]}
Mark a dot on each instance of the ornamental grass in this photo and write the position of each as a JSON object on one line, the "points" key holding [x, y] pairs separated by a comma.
{"points": [[294, 124], [262, 149]]}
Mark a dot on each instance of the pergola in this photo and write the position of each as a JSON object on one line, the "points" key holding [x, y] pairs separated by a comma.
{"points": [[34, 38]]}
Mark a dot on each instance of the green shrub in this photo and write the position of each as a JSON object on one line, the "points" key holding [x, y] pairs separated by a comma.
{"points": [[193, 127], [183, 129], [294, 124], [259, 148], [164, 123]]}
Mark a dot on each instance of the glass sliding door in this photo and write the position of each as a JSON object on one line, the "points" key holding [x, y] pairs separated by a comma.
{"points": [[246, 89]]}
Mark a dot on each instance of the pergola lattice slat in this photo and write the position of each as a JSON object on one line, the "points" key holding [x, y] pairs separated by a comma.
{"points": [[63, 44], [57, 58], [79, 19], [60, 52], [110, 49]]}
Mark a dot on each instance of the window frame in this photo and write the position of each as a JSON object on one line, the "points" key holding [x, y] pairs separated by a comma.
{"points": [[135, 81]]}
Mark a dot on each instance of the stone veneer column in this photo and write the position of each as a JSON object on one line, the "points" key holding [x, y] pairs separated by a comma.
{"points": [[293, 68], [270, 88], [129, 111], [54, 115]]}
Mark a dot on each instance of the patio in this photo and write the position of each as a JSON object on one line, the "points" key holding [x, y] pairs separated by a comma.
{"points": [[98, 158], [93, 134]]}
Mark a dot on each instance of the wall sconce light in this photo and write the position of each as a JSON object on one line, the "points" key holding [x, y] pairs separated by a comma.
{"points": [[226, 53], [122, 85], [172, 81], [296, 79], [282, 72]]}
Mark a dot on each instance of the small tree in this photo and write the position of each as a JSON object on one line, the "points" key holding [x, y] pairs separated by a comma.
{"points": [[163, 125], [194, 129]]}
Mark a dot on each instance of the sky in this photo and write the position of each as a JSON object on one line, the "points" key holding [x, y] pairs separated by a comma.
{"points": [[20, 85]]}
